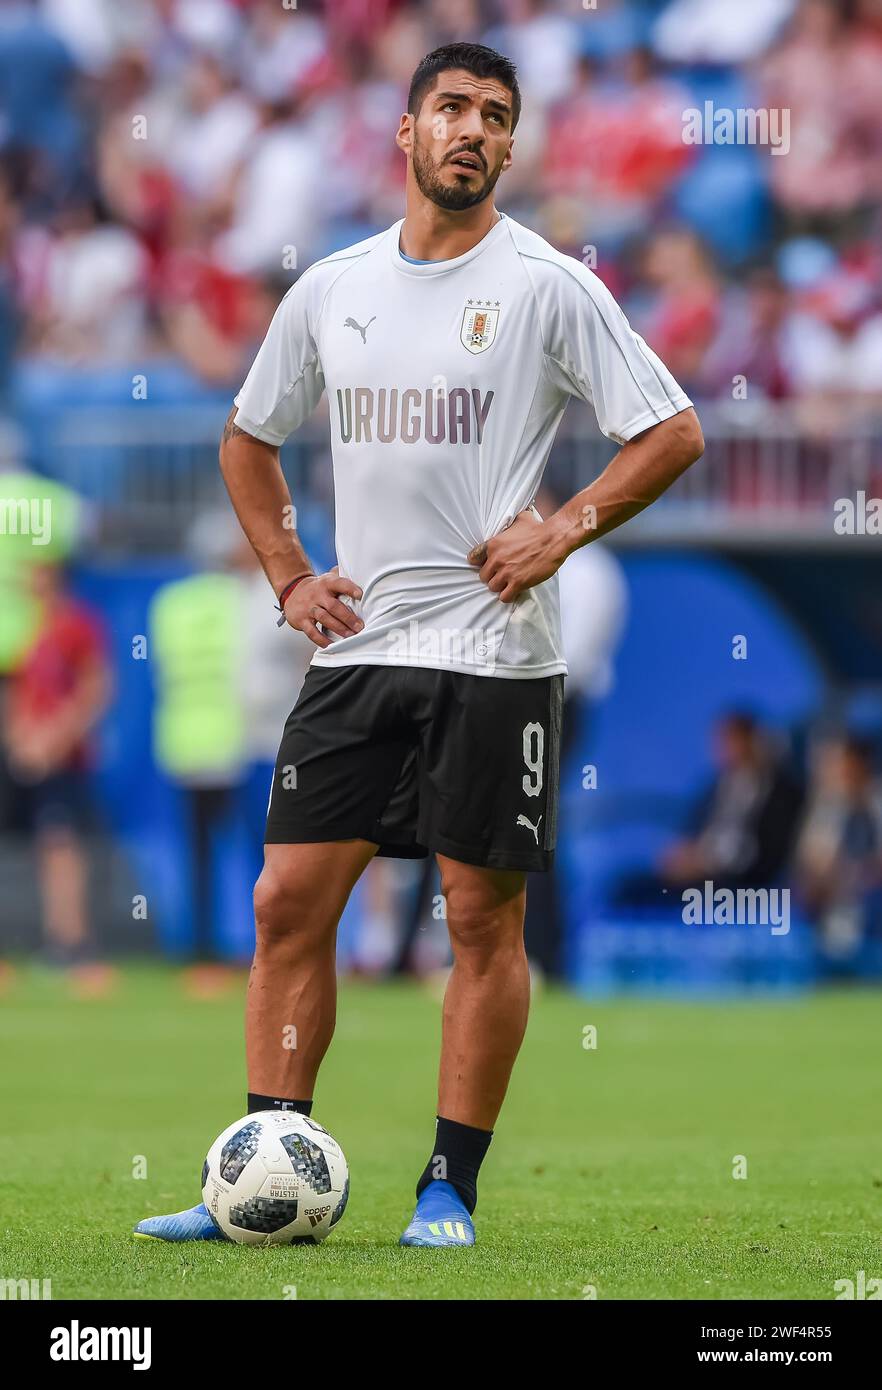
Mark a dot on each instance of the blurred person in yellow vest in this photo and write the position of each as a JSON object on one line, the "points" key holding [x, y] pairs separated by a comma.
{"points": [[194, 637], [273, 665], [226, 678]]}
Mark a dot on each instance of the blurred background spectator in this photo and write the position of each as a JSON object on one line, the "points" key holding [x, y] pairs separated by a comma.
{"points": [[839, 855], [55, 697], [744, 825]]}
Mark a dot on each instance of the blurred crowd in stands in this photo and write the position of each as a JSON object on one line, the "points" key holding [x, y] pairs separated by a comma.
{"points": [[167, 166]]}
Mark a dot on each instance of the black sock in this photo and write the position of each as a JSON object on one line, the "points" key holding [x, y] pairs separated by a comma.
{"points": [[302, 1107], [458, 1154]]}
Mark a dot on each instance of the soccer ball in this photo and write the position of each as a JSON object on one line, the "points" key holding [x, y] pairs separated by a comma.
{"points": [[275, 1178]]}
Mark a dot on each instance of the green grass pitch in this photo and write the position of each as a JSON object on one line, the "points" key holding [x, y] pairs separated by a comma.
{"points": [[612, 1168]]}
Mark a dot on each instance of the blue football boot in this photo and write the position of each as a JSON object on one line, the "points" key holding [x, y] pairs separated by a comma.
{"points": [[441, 1218], [194, 1224]]}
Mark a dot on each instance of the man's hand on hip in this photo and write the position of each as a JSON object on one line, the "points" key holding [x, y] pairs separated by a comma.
{"points": [[526, 553], [315, 601]]}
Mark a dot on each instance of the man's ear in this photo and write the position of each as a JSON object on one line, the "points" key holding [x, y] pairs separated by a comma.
{"points": [[404, 134], [506, 163]]}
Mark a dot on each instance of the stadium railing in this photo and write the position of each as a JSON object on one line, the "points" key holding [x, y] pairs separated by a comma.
{"points": [[153, 470]]}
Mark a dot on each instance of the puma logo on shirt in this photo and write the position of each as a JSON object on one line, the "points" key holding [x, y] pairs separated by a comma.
{"points": [[351, 323]]}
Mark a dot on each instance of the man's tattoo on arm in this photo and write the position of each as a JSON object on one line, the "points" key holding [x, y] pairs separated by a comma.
{"points": [[231, 430]]}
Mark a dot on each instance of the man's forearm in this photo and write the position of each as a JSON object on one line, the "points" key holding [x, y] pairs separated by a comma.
{"points": [[262, 502], [641, 471]]}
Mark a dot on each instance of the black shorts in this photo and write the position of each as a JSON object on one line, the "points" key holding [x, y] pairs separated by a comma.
{"points": [[416, 759], [58, 802]]}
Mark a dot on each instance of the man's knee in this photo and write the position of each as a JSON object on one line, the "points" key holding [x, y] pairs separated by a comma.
{"points": [[283, 912], [303, 889], [485, 916]]}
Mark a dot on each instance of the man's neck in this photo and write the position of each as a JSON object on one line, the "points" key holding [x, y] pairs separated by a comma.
{"points": [[430, 233]]}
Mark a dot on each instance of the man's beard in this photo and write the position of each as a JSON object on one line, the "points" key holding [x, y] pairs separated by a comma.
{"points": [[455, 197]]}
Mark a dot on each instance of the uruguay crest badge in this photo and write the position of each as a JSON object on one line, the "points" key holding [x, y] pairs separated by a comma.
{"points": [[479, 327]]}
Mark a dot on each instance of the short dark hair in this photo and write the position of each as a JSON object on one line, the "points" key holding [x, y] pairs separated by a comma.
{"points": [[471, 57]]}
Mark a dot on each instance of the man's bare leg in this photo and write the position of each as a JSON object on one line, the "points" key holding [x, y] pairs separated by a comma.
{"points": [[292, 992], [488, 993], [484, 1020], [62, 872]]}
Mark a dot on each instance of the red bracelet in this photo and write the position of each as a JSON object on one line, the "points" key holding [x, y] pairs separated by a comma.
{"points": [[288, 591]]}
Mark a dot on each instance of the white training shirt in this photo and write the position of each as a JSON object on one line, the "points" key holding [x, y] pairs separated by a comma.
{"points": [[446, 382]]}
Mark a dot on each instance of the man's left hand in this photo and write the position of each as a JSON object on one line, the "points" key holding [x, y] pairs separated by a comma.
{"points": [[526, 553]]}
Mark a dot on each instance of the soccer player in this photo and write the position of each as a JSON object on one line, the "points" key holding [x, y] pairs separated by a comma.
{"points": [[429, 720]]}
